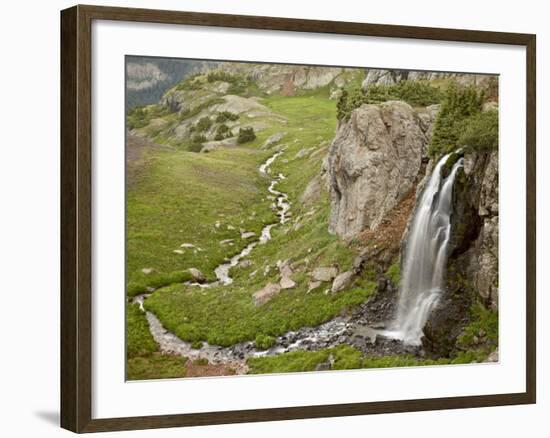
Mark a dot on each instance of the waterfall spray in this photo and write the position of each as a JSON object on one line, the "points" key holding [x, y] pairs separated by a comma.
{"points": [[426, 255]]}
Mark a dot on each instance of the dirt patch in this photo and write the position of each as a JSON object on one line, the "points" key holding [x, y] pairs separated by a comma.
{"points": [[288, 88], [195, 369], [389, 233]]}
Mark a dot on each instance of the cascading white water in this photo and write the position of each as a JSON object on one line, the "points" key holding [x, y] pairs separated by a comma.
{"points": [[426, 255]]}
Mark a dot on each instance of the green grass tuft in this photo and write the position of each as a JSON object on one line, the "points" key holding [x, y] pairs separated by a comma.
{"points": [[139, 340], [155, 366]]}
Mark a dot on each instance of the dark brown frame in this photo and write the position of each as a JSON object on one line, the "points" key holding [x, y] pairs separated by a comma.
{"points": [[76, 219]]}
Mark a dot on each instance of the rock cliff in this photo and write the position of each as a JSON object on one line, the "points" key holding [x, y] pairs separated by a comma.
{"points": [[272, 78], [390, 77], [373, 163]]}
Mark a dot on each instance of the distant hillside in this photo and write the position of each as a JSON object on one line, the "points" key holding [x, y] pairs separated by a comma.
{"points": [[148, 78]]}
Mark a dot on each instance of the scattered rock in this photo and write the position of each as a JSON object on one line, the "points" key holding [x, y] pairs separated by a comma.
{"points": [[313, 285], [285, 270], [243, 264], [342, 281], [210, 146], [147, 271], [287, 283], [247, 234], [187, 245], [226, 241], [303, 152], [324, 274], [197, 275], [178, 251], [358, 262], [267, 293], [272, 140]]}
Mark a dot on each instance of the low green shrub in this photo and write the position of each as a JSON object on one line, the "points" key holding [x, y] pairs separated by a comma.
{"points": [[204, 124], [480, 132], [394, 273], [415, 93], [264, 342], [196, 345], [223, 132], [140, 116], [483, 325], [226, 116], [459, 104], [246, 135]]}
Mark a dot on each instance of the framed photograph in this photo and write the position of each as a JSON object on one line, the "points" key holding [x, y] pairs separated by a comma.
{"points": [[269, 218]]}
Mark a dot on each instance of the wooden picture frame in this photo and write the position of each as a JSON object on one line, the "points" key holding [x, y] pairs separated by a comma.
{"points": [[76, 217]]}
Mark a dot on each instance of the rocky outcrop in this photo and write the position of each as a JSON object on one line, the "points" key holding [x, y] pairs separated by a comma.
{"points": [[374, 162], [483, 257], [287, 79], [376, 76]]}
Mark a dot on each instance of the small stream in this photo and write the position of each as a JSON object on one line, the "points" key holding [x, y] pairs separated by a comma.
{"points": [[350, 330]]}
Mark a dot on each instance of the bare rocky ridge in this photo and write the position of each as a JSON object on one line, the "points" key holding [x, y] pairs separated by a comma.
{"points": [[376, 76], [288, 78], [374, 161]]}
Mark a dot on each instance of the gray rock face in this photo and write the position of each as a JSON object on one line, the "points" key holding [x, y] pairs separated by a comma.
{"points": [[273, 140], [324, 274], [342, 281], [383, 77], [287, 283], [484, 258], [276, 77], [389, 77], [267, 293], [373, 163]]}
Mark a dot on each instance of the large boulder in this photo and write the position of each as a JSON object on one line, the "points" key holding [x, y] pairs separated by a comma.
{"points": [[342, 281], [373, 163]]}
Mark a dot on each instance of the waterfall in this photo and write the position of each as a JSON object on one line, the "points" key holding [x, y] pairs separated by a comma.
{"points": [[426, 255]]}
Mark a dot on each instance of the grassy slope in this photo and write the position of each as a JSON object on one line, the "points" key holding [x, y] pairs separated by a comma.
{"points": [[225, 315], [346, 357], [179, 200]]}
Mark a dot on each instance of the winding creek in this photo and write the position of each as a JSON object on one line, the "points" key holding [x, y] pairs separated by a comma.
{"points": [[353, 329]]}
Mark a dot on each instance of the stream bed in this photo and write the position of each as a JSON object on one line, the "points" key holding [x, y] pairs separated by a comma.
{"points": [[352, 330]]}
